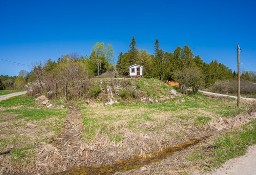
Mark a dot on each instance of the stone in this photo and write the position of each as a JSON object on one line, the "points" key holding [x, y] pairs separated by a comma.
{"points": [[42, 100], [173, 92]]}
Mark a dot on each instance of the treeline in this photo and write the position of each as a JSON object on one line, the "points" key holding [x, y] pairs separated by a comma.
{"points": [[7, 82], [170, 65], [71, 73]]}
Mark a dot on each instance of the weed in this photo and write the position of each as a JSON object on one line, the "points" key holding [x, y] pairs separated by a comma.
{"points": [[195, 156], [90, 126], [116, 138], [18, 153], [202, 120]]}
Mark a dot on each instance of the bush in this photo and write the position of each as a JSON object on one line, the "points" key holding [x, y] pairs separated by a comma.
{"points": [[230, 86], [94, 91], [128, 93], [189, 77]]}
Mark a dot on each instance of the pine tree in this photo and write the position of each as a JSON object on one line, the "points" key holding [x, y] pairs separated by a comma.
{"points": [[133, 52], [158, 61]]}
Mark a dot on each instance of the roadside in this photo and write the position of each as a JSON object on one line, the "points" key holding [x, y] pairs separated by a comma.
{"points": [[225, 96], [242, 165], [4, 97]]}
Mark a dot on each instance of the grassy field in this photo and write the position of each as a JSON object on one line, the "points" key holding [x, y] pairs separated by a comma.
{"points": [[120, 131], [24, 125], [124, 130], [4, 92]]}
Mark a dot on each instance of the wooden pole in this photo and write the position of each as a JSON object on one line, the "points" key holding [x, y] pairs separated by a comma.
{"points": [[238, 76]]}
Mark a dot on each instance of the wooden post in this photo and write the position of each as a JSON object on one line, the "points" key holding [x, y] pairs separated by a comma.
{"points": [[238, 76]]}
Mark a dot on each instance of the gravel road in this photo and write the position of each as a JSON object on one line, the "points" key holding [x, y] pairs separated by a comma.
{"points": [[4, 97], [223, 95]]}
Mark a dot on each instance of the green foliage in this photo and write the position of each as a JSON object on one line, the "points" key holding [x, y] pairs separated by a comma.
{"points": [[128, 93], [189, 77], [2, 87], [7, 81], [133, 52], [94, 91]]}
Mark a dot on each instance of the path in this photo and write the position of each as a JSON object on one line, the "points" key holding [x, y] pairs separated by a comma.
{"points": [[223, 95], [4, 97], [65, 151], [244, 165]]}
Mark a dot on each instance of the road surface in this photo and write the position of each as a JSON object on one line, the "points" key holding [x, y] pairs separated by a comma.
{"points": [[4, 97], [223, 95]]}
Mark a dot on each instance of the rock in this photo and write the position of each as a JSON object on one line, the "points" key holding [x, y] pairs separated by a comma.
{"points": [[173, 92], [42, 100], [49, 105]]}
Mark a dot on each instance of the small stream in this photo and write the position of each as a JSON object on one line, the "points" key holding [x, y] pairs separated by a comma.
{"points": [[133, 163]]}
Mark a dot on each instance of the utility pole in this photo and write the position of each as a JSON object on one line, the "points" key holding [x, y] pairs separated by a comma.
{"points": [[238, 75]]}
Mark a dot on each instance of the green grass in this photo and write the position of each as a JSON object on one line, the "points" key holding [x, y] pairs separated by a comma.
{"points": [[225, 147], [202, 120], [36, 114], [116, 138], [5, 92], [90, 127], [22, 100]]}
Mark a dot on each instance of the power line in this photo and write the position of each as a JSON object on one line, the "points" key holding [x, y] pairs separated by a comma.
{"points": [[14, 62]]}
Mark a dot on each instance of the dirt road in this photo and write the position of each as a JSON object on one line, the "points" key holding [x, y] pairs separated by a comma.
{"points": [[245, 165], [226, 96], [4, 97]]}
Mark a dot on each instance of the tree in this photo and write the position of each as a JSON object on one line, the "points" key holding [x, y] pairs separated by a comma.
{"points": [[133, 52], [158, 61], [102, 56], [123, 64], [189, 77], [1, 85], [21, 80]]}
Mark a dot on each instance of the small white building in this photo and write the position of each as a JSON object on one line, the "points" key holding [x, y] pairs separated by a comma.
{"points": [[136, 70]]}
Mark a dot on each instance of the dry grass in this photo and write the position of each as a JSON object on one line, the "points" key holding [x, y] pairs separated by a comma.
{"points": [[23, 126], [124, 130]]}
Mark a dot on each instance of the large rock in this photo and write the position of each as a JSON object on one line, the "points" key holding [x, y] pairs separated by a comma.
{"points": [[42, 100]]}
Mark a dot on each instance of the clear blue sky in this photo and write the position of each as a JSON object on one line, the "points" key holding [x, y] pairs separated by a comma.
{"points": [[32, 31]]}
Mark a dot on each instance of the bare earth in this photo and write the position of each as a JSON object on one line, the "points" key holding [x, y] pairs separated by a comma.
{"points": [[245, 165], [4, 97]]}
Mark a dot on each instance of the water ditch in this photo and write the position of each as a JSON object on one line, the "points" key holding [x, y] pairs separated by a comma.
{"points": [[134, 162]]}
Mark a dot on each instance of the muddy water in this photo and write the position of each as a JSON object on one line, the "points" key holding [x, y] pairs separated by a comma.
{"points": [[133, 163]]}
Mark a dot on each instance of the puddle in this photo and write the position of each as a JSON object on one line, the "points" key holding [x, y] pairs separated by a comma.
{"points": [[133, 163]]}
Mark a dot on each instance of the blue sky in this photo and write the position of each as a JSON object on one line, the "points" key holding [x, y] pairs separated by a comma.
{"points": [[32, 31]]}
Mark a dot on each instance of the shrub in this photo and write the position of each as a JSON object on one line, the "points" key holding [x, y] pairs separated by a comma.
{"points": [[94, 91], [230, 86], [128, 93]]}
